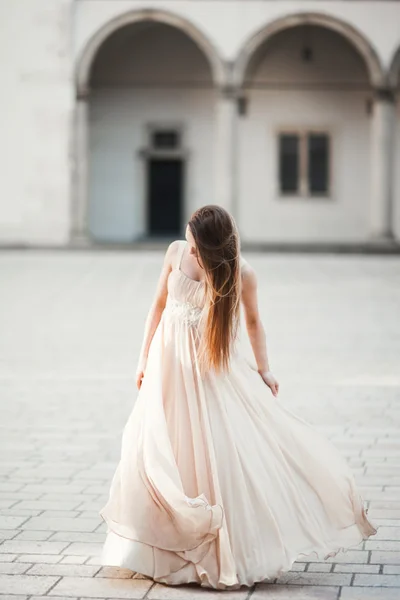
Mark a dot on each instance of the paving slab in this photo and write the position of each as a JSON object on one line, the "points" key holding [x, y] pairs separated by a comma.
{"points": [[26, 584], [289, 592], [63, 570], [32, 547], [383, 580], [362, 593], [183, 592], [332, 579], [101, 588]]}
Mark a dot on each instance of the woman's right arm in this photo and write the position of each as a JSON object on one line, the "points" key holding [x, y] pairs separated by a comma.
{"points": [[156, 310]]}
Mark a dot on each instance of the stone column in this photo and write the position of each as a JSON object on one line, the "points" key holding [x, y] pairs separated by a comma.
{"points": [[382, 174], [79, 233], [225, 148]]}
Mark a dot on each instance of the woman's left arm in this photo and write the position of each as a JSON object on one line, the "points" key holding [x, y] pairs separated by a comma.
{"points": [[255, 327]]}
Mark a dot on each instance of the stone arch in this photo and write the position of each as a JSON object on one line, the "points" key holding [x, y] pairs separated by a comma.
{"points": [[357, 39], [85, 61]]}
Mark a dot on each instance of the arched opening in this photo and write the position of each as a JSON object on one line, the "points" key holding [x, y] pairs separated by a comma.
{"points": [[148, 83], [308, 90], [370, 58]]}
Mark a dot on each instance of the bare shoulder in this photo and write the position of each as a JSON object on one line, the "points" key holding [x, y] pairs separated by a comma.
{"points": [[174, 246], [248, 274], [172, 251], [172, 254]]}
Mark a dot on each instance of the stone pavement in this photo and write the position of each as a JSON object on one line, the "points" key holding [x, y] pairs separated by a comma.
{"points": [[71, 326]]}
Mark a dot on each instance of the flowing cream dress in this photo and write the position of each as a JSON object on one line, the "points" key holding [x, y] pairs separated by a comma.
{"points": [[218, 482]]}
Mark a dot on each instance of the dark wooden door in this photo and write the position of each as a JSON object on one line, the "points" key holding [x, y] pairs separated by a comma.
{"points": [[165, 190]]}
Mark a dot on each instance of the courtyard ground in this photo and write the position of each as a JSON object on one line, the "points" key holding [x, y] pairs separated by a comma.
{"points": [[71, 326]]}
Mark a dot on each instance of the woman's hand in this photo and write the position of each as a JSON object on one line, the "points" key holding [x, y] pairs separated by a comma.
{"points": [[270, 380], [140, 374]]}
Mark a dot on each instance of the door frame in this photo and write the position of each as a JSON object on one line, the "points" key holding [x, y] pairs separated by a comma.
{"points": [[149, 159], [148, 153]]}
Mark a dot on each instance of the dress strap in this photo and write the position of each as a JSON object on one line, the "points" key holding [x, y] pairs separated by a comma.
{"points": [[182, 247]]}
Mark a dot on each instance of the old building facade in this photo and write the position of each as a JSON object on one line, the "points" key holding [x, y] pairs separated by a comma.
{"points": [[120, 117]]}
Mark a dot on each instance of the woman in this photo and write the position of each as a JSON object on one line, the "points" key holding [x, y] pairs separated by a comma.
{"points": [[218, 482]]}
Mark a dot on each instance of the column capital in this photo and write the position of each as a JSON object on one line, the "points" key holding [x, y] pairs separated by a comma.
{"points": [[384, 94]]}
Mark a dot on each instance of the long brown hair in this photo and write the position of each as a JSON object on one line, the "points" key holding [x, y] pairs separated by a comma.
{"points": [[217, 243]]}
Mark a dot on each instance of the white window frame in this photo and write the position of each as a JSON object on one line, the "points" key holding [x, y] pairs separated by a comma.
{"points": [[303, 188], [165, 126]]}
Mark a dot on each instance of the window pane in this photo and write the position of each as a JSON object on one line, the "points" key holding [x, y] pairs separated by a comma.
{"points": [[288, 163], [166, 140], [318, 163]]}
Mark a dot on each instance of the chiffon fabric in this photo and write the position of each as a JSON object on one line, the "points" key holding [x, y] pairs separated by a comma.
{"points": [[219, 482]]}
